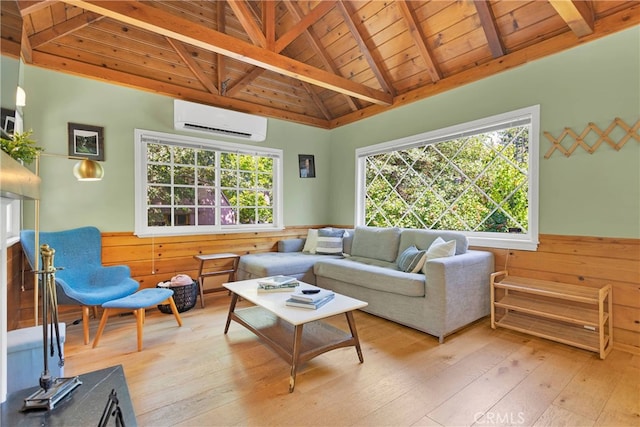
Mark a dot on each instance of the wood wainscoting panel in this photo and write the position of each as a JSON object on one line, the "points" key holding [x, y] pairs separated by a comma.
{"points": [[579, 260], [587, 261], [156, 259]]}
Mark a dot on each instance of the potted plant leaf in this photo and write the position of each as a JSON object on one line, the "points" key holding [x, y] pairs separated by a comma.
{"points": [[21, 146]]}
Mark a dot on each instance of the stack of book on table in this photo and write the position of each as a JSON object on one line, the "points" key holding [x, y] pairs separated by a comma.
{"points": [[310, 300], [277, 284]]}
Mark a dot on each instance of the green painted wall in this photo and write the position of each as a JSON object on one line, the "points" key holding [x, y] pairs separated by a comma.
{"points": [[9, 76], [585, 194], [54, 99], [591, 195]]}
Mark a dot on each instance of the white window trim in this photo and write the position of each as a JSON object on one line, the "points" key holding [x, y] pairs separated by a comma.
{"points": [[528, 241], [12, 213], [140, 170]]}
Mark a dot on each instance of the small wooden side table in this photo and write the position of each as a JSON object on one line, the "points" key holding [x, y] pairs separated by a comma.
{"points": [[231, 271]]}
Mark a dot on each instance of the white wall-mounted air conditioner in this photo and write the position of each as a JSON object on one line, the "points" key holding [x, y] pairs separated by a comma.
{"points": [[189, 116]]}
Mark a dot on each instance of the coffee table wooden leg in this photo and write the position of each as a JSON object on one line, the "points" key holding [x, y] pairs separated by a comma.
{"points": [[297, 343], [232, 307], [354, 333]]}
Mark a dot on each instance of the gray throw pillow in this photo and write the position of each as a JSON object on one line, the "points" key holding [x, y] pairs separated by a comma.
{"points": [[411, 260], [329, 242]]}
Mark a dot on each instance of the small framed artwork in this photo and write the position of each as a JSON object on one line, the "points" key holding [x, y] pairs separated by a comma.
{"points": [[8, 120], [307, 165], [86, 141]]}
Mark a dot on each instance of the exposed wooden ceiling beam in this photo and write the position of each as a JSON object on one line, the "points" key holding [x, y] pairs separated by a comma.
{"points": [[488, 23], [10, 48], [313, 40], [29, 6], [63, 28], [577, 14], [107, 75], [418, 38], [316, 100], [26, 49], [303, 24], [244, 81], [182, 51], [619, 21], [161, 22], [220, 62], [316, 14], [269, 23], [245, 16], [347, 10]]}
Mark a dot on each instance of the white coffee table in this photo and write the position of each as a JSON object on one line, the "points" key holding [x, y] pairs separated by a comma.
{"points": [[302, 336]]}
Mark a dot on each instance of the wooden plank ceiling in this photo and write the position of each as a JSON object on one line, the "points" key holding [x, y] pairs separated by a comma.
{"points": [[322, 63]]}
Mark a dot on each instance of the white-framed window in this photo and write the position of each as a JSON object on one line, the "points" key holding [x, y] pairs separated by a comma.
{"points": [[479, 178], [188, 185]]}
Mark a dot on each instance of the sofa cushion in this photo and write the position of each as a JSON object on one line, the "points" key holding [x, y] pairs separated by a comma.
{"points": [[422, 239], [411, 260], [347, 241], [376, 243], [329, 242], [441, 249], [274, 263], [291, 245], [311, 242], [349, 270]]}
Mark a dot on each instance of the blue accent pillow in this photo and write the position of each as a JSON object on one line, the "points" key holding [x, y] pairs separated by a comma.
{"points": [[412, 260], [329, 242]]}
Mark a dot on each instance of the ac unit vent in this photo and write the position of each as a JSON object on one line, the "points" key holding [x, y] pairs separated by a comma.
{"points": [[193, 126]]}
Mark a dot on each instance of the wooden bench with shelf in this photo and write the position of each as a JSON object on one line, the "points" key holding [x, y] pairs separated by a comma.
{"points": [[570, 314]]}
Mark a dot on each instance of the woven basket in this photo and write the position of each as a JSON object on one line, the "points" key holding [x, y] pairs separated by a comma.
{"points": [[183, 296]]}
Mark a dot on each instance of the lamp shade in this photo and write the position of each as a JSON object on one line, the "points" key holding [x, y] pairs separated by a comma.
{"points": [[88, 170], [21, 97]]}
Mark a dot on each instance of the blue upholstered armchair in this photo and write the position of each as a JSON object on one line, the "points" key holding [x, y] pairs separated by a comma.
{"points": [[83, 280]]}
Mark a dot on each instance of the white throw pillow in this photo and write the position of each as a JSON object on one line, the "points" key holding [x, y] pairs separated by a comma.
{"points": [[312, 241], [440, 249]]}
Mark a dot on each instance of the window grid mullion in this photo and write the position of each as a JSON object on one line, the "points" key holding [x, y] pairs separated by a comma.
{"points": [[194, 193]]}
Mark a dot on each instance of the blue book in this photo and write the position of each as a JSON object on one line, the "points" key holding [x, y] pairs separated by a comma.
{"points": [[309, 305]]}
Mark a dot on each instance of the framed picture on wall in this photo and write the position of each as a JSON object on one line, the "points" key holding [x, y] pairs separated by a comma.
{"points": [[8, 120], [307, 165], [86, 141]]}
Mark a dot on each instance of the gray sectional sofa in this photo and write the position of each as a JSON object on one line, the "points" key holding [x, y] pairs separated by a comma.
{"points": [[446, 293]]}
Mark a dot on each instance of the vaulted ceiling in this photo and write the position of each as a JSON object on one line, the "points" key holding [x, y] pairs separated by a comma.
{"points": [[322, 63]]}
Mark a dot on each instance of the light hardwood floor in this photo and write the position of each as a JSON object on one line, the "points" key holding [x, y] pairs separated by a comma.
{"points": [[197, 376]]}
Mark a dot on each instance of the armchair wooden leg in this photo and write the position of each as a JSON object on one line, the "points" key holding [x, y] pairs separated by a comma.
{"points": [[103, 322], [85, 323]]}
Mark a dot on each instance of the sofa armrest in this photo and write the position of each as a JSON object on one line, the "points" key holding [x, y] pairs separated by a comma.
{"points": [[291, 245], [460, 287]]}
